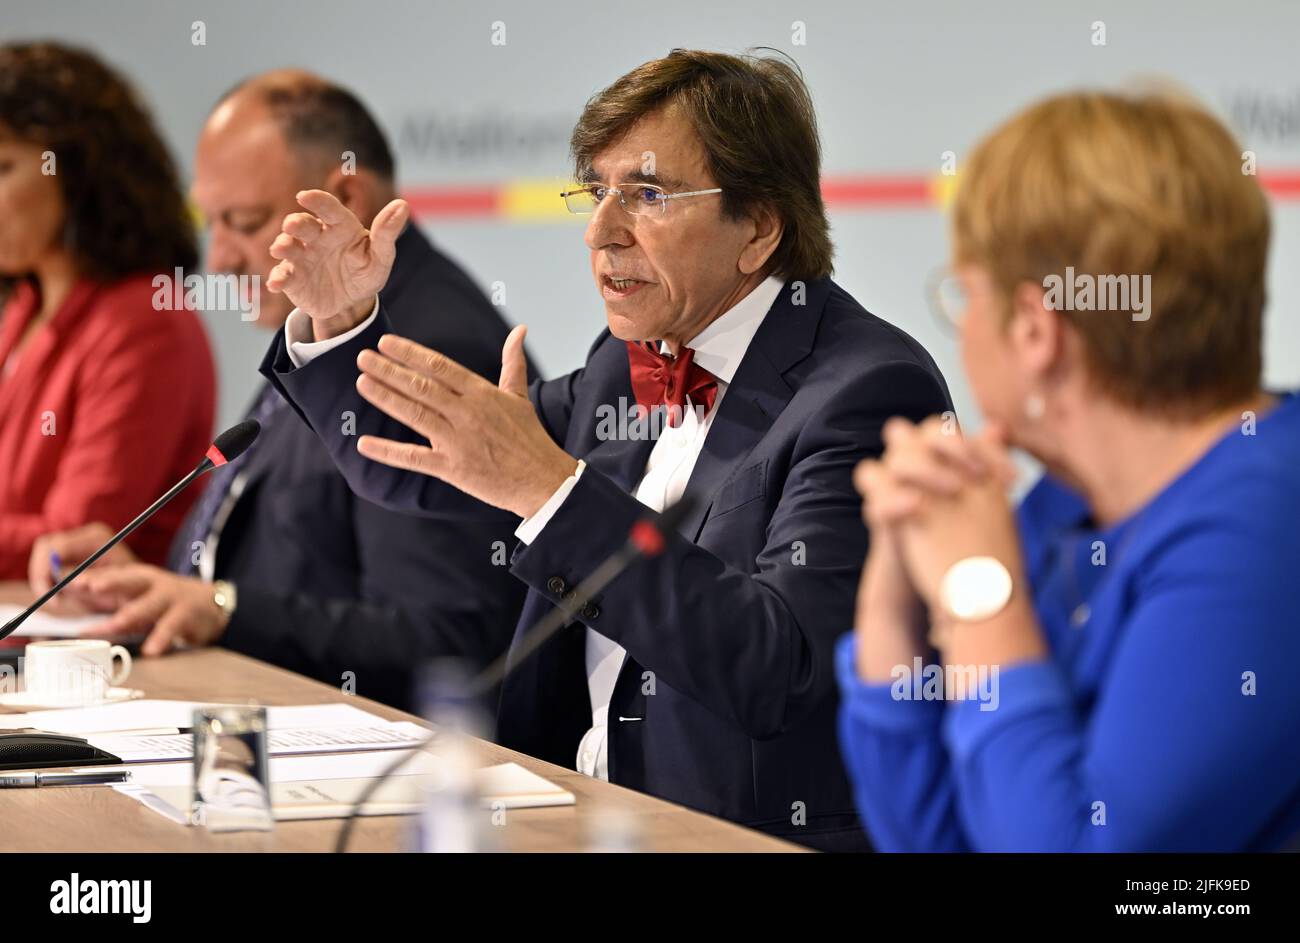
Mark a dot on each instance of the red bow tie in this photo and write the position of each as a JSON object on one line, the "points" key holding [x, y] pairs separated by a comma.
{"points": [[659, 380]]}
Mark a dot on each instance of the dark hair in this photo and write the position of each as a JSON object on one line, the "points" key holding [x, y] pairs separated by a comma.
{"points": [[756, 121], [126, 212], [322, 119]]}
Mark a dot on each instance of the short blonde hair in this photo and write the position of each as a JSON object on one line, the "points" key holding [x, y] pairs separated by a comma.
{"points": [[1108, 185]]}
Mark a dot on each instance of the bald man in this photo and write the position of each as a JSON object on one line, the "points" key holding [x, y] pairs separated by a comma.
{"points": [[279, 559]]}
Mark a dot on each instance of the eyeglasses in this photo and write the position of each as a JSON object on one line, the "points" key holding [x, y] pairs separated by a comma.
{"points": [[947, 298], [639, 199]]}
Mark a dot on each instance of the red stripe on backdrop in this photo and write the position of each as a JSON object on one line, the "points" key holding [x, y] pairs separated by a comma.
{"points": [[1283, 185], [855, 192], [877, 190], [453, 201]]}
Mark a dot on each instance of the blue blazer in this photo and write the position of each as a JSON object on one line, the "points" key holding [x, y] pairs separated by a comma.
{"points": [[726, 702], [1164, 718]]}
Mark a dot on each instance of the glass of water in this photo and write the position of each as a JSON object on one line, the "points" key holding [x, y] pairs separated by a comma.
{"points": [[232, 783]]}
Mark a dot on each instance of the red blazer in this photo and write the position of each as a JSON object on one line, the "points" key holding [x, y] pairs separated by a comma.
{"points": [[108, 405]]}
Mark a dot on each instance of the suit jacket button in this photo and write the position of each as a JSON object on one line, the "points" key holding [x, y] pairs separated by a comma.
{"points": [[590, 611], [557, 585]]}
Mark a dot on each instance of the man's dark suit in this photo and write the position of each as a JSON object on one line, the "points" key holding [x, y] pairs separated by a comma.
{"points": [[726, 701], [330, 583]]}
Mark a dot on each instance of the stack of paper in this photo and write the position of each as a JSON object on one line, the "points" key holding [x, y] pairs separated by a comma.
{"points": [[156, 731], [43, 625], [326, 787], [161, 717], [134, 748], [322, 756]]}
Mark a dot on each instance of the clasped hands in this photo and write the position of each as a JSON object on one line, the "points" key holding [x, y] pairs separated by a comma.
{"points": [[934, 497], [483, 439]]}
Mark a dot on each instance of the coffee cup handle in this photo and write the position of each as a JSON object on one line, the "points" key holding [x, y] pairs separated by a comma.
{"points": [[117, 651]]}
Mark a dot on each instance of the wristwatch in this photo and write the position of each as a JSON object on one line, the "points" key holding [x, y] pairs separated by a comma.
{"points": [[223, 594], [975, 589]]}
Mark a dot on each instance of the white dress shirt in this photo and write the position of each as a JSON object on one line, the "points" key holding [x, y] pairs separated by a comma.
{"points": [[207, 569], [298, 336], [719, 349]]}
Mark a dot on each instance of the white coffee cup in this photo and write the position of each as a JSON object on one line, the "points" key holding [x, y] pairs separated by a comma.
{"points": [[75, 671]]}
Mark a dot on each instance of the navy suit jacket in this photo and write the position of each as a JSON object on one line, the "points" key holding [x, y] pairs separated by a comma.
{"points": [[727, 700], [338, 588]]}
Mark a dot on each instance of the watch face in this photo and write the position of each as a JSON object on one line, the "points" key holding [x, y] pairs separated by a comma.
{"points": [[224, 596], [975, 588]]}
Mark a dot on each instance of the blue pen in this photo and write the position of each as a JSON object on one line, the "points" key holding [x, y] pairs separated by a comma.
{"points": [[55, 565]]}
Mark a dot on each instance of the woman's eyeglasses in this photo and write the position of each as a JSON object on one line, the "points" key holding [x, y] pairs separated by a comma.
{"points": [[947, 299]]}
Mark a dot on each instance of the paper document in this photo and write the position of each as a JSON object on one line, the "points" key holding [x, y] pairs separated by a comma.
{"points": [[153, 749], [167, 788], [154, 714], [288, 768], [309, 799], [43, 625], [519, 788]]}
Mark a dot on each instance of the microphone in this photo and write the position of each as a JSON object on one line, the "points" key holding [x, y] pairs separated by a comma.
{"points": [[645, 539], [225, 448]]}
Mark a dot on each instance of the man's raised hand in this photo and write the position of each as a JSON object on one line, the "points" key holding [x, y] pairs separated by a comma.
{"points": [[331, 266], [485, 440]]}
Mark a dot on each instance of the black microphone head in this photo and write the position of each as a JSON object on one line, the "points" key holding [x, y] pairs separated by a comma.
{"points": [[234, 442]]}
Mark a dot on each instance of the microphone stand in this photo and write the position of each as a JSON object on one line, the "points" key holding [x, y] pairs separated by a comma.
{"points": [[148, 512], [225, 448], [645, 540]]}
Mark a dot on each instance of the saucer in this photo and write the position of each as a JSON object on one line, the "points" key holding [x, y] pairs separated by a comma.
{"points": [[33, 702]]}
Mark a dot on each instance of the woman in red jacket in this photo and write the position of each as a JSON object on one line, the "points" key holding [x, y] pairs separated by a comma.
{"points": [[105, 401]]}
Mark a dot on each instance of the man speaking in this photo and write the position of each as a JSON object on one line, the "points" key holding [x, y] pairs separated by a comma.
{"points": [[703, 675]]}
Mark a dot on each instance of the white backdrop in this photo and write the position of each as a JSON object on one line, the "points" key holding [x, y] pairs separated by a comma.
{"points": [[895, 84]]}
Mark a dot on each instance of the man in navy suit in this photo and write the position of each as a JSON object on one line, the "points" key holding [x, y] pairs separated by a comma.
{"points": [[279, 559], [733, 372]]}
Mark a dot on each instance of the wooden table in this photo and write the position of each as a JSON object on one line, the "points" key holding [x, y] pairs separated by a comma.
{"points": [[96, 818]]}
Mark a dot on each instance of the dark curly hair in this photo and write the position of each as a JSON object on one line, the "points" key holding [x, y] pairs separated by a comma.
{"points": [[126, 213]]}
